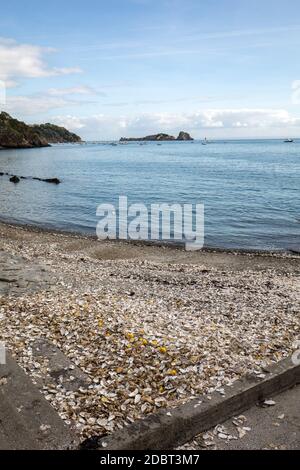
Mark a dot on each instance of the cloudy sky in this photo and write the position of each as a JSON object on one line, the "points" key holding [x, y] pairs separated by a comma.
{"points": [[105, 69]]}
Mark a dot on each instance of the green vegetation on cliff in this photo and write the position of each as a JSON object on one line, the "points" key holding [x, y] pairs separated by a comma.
{"points": [[55, 134], [17, 134]]}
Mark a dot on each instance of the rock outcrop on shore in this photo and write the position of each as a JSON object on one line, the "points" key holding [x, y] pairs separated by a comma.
{"points": [[158, 138], [150, 138], [17, 134], [184, 136], [55, 134]]}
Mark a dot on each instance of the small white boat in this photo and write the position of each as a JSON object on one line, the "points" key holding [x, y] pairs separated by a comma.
{"points": [[289, 141]]}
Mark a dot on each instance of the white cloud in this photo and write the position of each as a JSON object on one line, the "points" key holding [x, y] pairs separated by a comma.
{"points": [[219, 120], [38, 103], [2, 93], [29, 105], [26, 61], [62, 71], [77, 90], [296, 92], [72, 122]]}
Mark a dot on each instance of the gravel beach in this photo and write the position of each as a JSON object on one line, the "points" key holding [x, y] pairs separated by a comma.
{"points": [[148, 326]]}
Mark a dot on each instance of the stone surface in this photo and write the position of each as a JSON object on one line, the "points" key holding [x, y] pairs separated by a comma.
{"points": [[18, 276], [61, 371], [175, 426], [27, 421], [272, 427]]}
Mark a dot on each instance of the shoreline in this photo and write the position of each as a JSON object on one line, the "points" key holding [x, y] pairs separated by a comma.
{"points": [[137, 251], [144, 243]]}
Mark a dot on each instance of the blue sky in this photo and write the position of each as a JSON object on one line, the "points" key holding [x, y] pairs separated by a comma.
{"points": [[216, 68]]}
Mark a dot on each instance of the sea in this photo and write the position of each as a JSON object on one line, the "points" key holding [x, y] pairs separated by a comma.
{"points": [[250, 189]]}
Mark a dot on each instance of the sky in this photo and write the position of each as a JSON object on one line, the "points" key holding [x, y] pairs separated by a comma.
{"points": [[106, 69]]}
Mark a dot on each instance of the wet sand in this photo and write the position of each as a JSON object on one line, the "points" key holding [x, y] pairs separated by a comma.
{"points": [[232, 260]]}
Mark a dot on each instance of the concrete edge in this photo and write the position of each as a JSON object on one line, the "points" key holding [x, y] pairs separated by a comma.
{"points": [[173, 427], [27, 420]]}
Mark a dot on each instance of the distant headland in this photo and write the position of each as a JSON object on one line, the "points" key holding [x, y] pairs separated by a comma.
{"points": [[16, 134], [182, 136]]}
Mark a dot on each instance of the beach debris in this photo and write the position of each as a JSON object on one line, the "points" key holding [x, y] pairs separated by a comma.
{"points": [[241, 432], [185, 333], [239, 420], [269, 403], [198, 404], [45, 427]]}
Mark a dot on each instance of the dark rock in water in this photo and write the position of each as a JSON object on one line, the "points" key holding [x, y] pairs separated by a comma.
{"points": [[158, 137], [47, 180], [184, 136], [14, 179], [151, 138], [52, 180]]}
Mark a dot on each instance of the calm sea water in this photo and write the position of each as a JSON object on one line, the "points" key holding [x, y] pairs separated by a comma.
{"points": [[251, 189]]}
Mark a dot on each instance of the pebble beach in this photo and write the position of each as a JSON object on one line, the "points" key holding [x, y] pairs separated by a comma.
{"points": [[149, 327]]}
